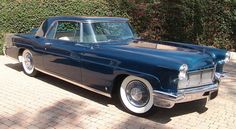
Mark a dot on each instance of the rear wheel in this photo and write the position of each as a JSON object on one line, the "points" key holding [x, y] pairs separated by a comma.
{"points": [[136, 95], [28, 64]]}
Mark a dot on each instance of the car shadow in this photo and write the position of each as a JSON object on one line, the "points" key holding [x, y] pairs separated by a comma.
{"points": [[164, 116], [66, 86], [161, 115], [75, 89], [15, 66]]}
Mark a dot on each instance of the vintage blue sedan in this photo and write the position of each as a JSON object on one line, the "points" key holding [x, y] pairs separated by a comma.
{"points": [[104, 55]]}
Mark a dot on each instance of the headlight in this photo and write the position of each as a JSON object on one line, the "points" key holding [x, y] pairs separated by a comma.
{"points": [[183, 72], [227, 57]]}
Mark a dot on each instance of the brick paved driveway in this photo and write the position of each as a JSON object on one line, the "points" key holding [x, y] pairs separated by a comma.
{"points": [[47, 102]]}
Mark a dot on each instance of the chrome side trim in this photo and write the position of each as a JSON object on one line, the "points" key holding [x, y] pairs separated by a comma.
{"points": [[75, 83]]}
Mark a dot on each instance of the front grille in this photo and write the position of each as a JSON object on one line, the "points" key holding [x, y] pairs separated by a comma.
{"points": [[201, 77]]}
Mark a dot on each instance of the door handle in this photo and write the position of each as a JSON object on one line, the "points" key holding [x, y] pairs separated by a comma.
{"points": [[48, 44]]}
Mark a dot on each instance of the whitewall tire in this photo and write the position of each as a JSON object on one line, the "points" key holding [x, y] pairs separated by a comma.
{"points": [[136, 95], [28, 63]]}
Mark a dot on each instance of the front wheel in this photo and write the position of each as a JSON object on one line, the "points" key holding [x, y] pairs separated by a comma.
{"points": [[28, 64], [136, 95]]}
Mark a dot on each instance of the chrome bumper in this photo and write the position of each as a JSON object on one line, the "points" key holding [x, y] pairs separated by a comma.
{"points": [[168, 100]]}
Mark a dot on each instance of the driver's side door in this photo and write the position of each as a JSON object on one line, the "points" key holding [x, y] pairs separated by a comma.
{"points": [[62, 57]]}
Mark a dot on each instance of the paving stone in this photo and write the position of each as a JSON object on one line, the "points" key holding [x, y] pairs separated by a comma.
{"points": [[47, 102]]}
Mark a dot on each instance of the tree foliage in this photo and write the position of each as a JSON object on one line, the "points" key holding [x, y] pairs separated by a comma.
{"points": [[208, 22]]}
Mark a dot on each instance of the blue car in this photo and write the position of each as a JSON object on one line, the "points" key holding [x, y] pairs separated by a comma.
{"points": [[104, 55]]}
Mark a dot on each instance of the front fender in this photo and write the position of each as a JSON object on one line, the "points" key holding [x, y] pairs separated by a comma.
{"points": [[153, 80]]}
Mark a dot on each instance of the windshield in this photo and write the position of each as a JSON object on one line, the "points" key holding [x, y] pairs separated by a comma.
{"points": [[107, 31]]}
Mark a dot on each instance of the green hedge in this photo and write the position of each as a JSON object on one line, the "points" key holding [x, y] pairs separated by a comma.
{"points": [[20, 16], [209, 22]]}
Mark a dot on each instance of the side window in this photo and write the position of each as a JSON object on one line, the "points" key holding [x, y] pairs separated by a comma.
{"points": [[51, 33], [88, 36], [65, 30]]}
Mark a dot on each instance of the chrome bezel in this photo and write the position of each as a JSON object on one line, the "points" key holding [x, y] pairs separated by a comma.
{"points": [[183, 72]]}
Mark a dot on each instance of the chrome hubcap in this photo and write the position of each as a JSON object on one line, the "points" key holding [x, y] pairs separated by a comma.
{"points": [[28, 61], [137, 93]]}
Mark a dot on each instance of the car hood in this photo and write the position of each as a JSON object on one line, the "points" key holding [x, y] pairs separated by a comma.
{"points": [[166, 56]]}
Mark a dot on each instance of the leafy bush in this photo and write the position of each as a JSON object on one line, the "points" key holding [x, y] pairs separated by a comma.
{"points": [[209, 22], [20, 16], [233, 22]]}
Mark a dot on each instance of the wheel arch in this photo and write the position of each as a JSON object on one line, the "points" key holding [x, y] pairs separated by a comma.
{"points": [[20, 52], [117, 82], [154, 81]]}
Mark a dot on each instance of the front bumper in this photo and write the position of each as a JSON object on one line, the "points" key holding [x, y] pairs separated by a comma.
{"points": [[168, 100]]}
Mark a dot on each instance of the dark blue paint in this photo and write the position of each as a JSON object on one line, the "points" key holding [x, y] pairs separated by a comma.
{"points": [[97, 65]]}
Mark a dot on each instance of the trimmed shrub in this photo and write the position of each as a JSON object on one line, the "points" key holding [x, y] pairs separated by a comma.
{"points": [[20, 16], [211, 22]]}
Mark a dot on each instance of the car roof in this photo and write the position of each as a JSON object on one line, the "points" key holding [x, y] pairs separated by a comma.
{"points": [[50, 20], [86, 18]]}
